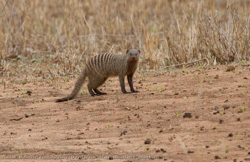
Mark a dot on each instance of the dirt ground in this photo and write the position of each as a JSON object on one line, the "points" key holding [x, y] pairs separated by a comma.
{"points": [[152, 125]]}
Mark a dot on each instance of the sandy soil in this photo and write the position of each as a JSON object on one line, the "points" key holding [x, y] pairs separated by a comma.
{"points": [[147, 126]]}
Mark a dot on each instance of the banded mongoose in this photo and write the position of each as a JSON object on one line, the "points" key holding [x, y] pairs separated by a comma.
{"points": [[102, 66]]}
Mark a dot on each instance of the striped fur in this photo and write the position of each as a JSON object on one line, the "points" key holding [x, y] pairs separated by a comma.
{"points": [[102, 66]]}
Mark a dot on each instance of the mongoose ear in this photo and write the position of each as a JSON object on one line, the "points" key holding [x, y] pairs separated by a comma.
{"points": [[127, 51], [139, 51]]}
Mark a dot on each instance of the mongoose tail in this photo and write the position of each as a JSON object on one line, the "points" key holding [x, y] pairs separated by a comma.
{"points": [[78, 86]]}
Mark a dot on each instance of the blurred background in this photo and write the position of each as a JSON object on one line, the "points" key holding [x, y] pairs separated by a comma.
{"points": [[62, 34]]}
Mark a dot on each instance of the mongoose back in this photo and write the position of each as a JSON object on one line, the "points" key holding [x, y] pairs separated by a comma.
{"points": [[102, 66]]}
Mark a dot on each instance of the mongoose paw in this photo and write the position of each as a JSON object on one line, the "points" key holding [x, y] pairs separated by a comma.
{"points": [[125, 92], [103, 93], [100, 94], [134, 91]]}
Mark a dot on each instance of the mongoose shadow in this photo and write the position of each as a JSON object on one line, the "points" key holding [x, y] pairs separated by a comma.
{"points": [[105, 65]]}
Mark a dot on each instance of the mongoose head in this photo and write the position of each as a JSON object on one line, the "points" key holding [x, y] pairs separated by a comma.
{"points": [[133, 55]]}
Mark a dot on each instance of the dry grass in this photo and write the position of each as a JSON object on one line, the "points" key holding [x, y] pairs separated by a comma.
{"points": [[61, 35]]}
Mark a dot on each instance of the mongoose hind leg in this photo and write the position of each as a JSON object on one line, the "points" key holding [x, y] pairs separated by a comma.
{"points": [[90, 89], [94, 83], [98, 83], [98, 92]]}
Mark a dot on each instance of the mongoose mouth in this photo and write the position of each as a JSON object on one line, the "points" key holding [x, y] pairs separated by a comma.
{"points": [[133, 59]]}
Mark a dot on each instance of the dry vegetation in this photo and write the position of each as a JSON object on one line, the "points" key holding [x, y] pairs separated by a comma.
{"points": [[45, 43], [61, 35]]}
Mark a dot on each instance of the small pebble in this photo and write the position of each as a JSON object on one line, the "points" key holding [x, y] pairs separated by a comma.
{"points": [[216, 157], [162, 150], [187, 115], [147, 141], [29, 92], [123, 133], [225, 107]]}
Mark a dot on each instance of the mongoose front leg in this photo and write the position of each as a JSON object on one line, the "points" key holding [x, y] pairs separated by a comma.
{"points": [[130, 82], [122, 84]]}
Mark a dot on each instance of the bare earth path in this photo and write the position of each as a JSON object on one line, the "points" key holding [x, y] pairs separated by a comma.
{"points": [[147, 126]]}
